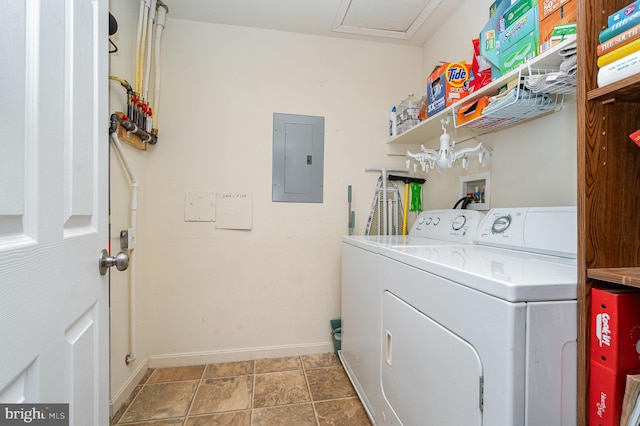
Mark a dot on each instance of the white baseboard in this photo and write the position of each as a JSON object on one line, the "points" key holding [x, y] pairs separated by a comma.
{"points": [[242, 354], [123, 393]]}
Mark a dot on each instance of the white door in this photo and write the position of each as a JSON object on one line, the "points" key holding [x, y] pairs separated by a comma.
{"points": [[53, 205]]}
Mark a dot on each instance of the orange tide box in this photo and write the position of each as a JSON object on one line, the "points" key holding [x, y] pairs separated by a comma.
{"points": [[615, 328], [447, 84]]}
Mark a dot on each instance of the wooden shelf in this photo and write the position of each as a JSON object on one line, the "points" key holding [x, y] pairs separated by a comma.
{"points": [[430, 128], [608, 184], [627, 90], [624, 276]]}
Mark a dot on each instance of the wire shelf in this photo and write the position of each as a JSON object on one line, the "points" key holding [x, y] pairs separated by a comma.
{"points": [[536, 92]]}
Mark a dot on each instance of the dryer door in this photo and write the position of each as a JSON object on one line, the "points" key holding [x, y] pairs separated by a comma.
{"points": [[429, 375]]}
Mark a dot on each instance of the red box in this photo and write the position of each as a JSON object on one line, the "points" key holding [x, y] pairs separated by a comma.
{"points": [[615, 328], [606, 394]]}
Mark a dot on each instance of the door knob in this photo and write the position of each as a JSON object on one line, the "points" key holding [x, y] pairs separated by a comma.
{"points": [[120, 260]]}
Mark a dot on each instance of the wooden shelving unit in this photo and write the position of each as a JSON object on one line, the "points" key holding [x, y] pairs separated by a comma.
{"points": [[623, 276], [608, 181]]}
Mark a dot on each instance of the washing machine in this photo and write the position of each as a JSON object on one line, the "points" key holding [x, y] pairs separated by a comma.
{"points": [[482, 334], [362, 296]]}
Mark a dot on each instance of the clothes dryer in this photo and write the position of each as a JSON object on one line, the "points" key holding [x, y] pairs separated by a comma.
{"points": [[362, 296], [482, 334]]}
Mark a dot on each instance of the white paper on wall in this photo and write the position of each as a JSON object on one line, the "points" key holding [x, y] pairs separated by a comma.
{"points": [[200, 207], [234, 211]]}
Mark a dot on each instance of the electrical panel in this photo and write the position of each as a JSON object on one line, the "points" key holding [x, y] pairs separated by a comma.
{"points": [[298, 158]]}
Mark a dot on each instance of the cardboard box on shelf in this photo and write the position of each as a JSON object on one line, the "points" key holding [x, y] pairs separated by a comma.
{"points": [[471, 110], [547, 7], [489, 41], [520, 21], [447, 84], [567, 13], [521, 52]]}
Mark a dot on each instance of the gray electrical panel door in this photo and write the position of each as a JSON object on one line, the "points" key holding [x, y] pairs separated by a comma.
{"points": [[298, 158]]}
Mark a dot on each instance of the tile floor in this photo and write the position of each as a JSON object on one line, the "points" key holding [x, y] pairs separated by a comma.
{"points": [[296, 391]]}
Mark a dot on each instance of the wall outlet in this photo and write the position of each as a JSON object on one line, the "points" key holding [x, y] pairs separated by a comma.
{"points": [[127, 239]]}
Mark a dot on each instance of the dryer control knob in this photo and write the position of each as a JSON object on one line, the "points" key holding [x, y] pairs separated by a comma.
{"points": [[459, 222], [501, 224]]}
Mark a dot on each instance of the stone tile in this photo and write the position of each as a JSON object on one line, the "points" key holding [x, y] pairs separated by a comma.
{"points": [[236, 418], [329, 383], [278, 364], [228, 369], [168, 422], [118, 415], [285, 387], [222, 394], [176, 374], [320, 360], [161, 401], [289, 415], [341, 412]]}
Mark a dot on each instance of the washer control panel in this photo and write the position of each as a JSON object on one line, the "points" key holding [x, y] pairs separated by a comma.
{"points": [[448, 225], [549, 230]]}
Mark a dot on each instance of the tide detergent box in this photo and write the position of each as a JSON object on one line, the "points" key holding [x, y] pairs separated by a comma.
{"points": [[489, 42], [447, 84], [615, 328]]}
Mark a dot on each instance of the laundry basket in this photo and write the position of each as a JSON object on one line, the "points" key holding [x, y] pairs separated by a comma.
{"points": [[336, 331]]}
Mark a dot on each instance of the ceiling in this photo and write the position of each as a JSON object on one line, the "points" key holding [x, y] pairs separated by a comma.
{"points": [[409, 22]]}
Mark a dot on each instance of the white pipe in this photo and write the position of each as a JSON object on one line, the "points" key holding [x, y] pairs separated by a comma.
{"points": [[136, 83], [143, 42], [147, 56], [160, 22], [132, 259]]}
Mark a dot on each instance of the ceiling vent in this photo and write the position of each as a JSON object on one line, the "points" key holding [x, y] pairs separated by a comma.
{"points": [[383, 18]]}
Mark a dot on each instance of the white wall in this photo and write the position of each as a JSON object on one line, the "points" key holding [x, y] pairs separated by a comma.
{"points": [[273, 289], [533, 164]]}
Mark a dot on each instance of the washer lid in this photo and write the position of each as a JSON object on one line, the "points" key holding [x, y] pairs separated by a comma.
{"points": [[511, 275], [373, 242]]}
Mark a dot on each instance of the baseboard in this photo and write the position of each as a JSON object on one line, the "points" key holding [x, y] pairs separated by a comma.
{"points": [[242, 354], [123, 393]]}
